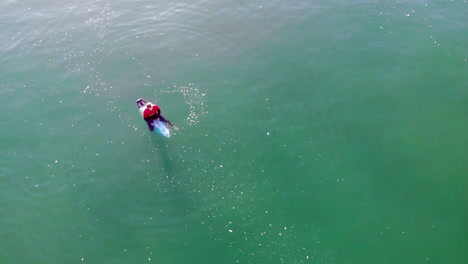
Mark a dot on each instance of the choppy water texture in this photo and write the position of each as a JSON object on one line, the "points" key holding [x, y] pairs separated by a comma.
{"points": [[310, 132]]}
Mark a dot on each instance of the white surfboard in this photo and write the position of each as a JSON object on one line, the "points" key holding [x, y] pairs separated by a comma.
{"points": [[161, 128], [158, 125]]}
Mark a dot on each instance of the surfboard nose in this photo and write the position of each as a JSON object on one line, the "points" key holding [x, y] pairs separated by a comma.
{"points": [[140, 102]]}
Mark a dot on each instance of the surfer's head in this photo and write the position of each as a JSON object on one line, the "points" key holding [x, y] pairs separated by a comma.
{"points": [[148, 105]]}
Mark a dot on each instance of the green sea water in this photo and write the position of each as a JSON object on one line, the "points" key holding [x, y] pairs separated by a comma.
{"points": [[310, 132]]}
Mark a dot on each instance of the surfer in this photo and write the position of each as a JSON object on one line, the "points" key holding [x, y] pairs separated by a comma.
{"points": [[153, 112]]}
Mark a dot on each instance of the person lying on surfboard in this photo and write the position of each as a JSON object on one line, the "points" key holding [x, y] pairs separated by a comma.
{"points": [[153, 112]]}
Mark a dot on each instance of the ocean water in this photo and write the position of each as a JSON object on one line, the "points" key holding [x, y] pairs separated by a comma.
{"points": [[310, 132]]}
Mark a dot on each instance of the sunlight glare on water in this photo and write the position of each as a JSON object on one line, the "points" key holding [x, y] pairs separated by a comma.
{"points": [[309, 132]]}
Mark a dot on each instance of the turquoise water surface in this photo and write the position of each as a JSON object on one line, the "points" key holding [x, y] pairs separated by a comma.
{"points": [[310, 132]]}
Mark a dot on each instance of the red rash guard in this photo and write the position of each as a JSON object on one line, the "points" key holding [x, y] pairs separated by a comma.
{"points": [[151, 111]]}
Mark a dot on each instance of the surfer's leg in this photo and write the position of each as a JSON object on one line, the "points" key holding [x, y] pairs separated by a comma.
{"points": [[149, 121], [165, 120], [150, 125]]}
